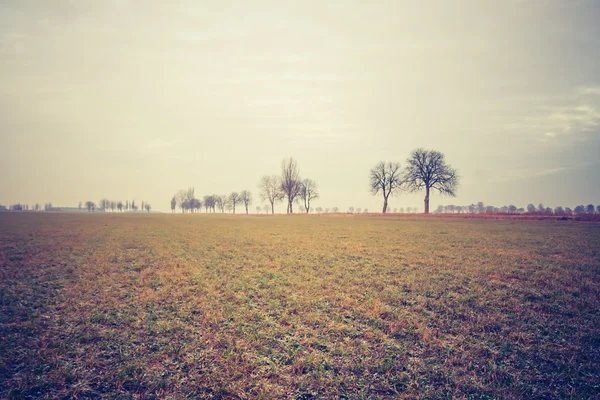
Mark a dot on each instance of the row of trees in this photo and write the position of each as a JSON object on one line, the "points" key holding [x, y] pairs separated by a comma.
{"points": [[187, 201], [272, 188], [426, 170], [289, 186], [481, 208], [112, 205]]}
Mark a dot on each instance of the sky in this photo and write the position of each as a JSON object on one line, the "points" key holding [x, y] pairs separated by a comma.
{"points": [[138, 99]]}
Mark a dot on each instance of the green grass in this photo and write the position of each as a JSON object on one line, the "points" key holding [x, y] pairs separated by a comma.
{"points": [[213, 306]]}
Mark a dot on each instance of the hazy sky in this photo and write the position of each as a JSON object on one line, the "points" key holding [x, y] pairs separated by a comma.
{"points": [[137, 99]]}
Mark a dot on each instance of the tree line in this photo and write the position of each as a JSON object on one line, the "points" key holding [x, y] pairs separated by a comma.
{"points": [[288, 186], [113, 205], [540, 209]]}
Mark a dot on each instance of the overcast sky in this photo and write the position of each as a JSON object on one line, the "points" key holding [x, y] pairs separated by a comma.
{"points": [[137, 99]]}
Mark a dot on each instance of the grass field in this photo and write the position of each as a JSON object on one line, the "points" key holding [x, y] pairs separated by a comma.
{"points": [[213, 306]]}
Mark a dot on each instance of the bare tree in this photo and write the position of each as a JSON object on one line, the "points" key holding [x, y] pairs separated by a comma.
{"points": [[427, 169], [234, 198], [319, 210], [148, 207], [258, 209], [351, 210], [308, 192], [290, 181], [267, 208], [246, 198], [269, 189], [104, 204], [120, 206], [386, 178], [91, 206], [221, 201], [173, 204], [143, 206], [80, 205]]}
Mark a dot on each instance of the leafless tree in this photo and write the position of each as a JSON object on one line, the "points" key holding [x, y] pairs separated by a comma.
{"points": [[246, 198], [120, 206], [173, 204], [91, 206], [104, 204], [386, 178], [290, 181], [308, 192], [221, 201], [269, 189], [258, 209], [234, 198], [267, 208], [335, 209], [143, 206], [80, 205], [351, 210], [427, 169], [319, 210], [148, 207]]}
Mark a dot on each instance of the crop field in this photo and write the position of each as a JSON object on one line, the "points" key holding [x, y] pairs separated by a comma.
{"points": [[297, 307]]}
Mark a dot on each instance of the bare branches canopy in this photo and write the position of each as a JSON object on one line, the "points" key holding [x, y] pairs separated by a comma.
{"points": [[308, 192], [290, 181], [386, 177], [269, 189], [427, 169]]}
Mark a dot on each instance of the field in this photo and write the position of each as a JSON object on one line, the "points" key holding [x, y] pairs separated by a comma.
{"points": [[237, 307]]}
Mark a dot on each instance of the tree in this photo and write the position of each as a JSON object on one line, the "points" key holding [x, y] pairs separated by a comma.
{"points": [[79, 206], [568, 211], [579, 209], [266, 208], [120, 206], [385, 178], [148, 207], [512, 209], [269, 188], [335, 210], [319, 210], [258, 209], [480, 207], [220, 202], [127, 205], [358, 210], [234, 198], [132, 206], [559, 211], [173, 204], [590, 209], [351, 210], [541, 207], [530, 208], [598, 209], [104, 204], [308, 192], [143, 206], [113, 205], [90, 205], [290, 181], [246, 198], [548, 211], [427, 169]]}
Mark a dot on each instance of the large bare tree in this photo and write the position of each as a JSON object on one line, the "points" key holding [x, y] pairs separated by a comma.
{"points": [[386, 177], [246, 198], [290, 181], [270, 190], [427, 169], [308, 192]]}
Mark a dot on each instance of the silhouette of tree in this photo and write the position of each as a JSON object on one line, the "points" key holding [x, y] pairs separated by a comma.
{"points": [[319, 210], [120, 206], [386, 178], [246, 198], [148, 207], [580, 209], [590, 209], [427, 169], [290, 181], [530, 208], [269, 189], [308, 192], [91, 206], [234, 198], [173, 204]]}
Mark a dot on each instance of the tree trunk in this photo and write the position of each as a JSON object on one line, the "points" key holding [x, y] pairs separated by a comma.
{"points": [[385, 204], [246, 209], [426, 200], [272, 207]]}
